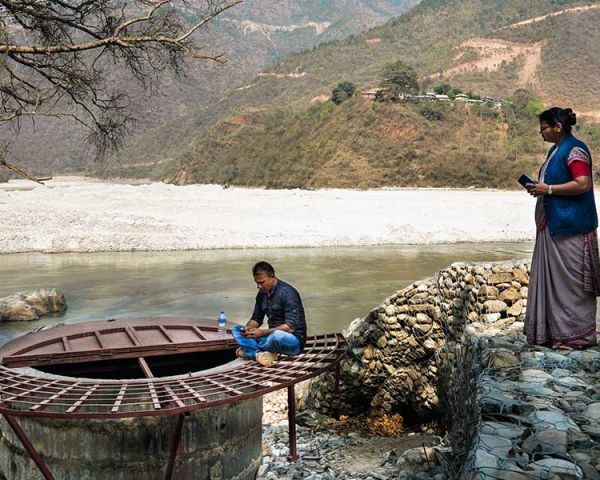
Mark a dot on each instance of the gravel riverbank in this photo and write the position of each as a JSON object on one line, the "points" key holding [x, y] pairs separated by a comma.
{"points": [[86, 216]]}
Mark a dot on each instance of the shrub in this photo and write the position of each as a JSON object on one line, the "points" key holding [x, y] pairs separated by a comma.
{"points": [[433, 112], [342, 92]]}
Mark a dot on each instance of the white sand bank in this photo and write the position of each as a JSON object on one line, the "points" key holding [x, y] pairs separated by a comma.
{"points": [[83, 216]]}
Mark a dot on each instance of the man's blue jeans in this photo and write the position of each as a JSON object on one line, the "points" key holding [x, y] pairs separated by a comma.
{"points": [[276, 342]]}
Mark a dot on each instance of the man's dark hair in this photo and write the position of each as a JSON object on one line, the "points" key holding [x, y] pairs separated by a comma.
{"points": [[263, 267]]}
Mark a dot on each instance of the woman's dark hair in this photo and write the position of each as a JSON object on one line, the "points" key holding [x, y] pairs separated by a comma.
{"points": [[565, 116], [263, 267]]}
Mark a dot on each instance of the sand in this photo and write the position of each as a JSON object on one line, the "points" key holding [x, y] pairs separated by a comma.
{"points": [[77, 215]]}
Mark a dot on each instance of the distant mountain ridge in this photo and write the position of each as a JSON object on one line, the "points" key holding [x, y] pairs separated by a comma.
{"points": [[251, 36]]}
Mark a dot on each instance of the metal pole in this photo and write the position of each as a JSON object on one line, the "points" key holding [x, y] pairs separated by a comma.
{"points": [[33, 453], [174, 446], [293, 456]]}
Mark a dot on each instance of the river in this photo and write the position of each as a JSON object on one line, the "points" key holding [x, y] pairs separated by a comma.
{"points": [[336, 284]]}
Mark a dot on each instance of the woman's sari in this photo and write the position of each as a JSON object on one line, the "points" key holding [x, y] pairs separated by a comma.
{"points": [[564, 283]]}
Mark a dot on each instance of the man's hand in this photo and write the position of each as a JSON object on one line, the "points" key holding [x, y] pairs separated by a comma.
{"points": [[253, 332]]}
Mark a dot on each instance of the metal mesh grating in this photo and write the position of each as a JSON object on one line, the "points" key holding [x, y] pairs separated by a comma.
{"points": [[23, 393]]}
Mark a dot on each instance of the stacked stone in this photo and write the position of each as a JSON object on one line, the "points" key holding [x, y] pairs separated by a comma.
{"points": [[497, 297], [391, 361], [540, 413]]}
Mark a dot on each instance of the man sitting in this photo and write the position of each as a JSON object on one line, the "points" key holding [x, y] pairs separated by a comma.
{"points": [[287, 326]]}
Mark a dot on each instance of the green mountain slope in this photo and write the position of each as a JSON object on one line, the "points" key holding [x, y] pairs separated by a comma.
{"points": [[366, 144], [478, 45]]}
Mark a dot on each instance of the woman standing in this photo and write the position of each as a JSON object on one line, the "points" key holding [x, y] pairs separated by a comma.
{"points": [[565, 269]]}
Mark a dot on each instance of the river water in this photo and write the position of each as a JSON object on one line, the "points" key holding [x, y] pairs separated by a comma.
{"points": [[336, 284]]}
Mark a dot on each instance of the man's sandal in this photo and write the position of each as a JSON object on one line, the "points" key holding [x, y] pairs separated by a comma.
{"points": [[241, 353], [266, 359]]}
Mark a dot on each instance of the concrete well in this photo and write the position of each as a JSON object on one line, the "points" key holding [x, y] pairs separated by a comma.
{"points": [[218, 443]]}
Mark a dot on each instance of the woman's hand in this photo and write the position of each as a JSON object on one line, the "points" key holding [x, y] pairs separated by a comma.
{"points": [[576, 186], [538, 189]]}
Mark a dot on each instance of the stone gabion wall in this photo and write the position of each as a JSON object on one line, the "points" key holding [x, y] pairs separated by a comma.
{"points": [[392, 362], [510, 410], [538, 413]]}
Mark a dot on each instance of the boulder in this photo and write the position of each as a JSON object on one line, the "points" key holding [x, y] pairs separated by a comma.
{"points": [[498, 403], [592, 412], [495, 444], [510, 294], [502, 429], [521, 276], [498, 278], [547, 442], [532, 375], [503, 359], [26, 306], [516, 308], [491, 317]]}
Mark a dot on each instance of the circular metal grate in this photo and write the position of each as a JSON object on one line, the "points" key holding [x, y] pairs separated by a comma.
{"points": [[27, 392]]}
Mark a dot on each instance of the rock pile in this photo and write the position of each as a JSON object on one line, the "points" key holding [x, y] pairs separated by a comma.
{"points": [[391, 362], [540, 413], [329, 455], [331, 449], [31, 305]]}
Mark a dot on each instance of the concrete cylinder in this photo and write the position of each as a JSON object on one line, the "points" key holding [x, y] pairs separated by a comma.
{"points": [[218, 443]]}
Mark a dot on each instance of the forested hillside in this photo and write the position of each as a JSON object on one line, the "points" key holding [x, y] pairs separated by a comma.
{"points": [[269, 132]]}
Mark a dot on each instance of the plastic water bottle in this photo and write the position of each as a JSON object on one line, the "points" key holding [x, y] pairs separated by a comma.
{"points": [[222, 323]]}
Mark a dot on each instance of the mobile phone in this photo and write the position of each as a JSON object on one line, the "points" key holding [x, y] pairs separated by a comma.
{"points": [[526, 181]]}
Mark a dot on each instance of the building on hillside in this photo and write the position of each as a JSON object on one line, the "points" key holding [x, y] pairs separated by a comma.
{"points": [[460, 99], [373, 92], [416, 98]]}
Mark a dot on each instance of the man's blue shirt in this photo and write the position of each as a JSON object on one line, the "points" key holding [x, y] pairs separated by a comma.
{"points": [[283, 305]]}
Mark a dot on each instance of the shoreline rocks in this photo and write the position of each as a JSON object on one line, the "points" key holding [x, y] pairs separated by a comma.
{"points": [[28, 306]]}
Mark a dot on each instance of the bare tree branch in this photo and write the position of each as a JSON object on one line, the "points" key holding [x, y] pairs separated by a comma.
{"points": [[19, 171], [54, 55]]}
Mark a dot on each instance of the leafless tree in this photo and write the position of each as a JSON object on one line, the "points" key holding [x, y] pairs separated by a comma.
{"points": [[56, 57]]}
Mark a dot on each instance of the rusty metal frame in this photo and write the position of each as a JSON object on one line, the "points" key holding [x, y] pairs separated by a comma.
{"points": [[175, 442], [33, 453], [23, 394], [202, 337], [293, 456]]}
